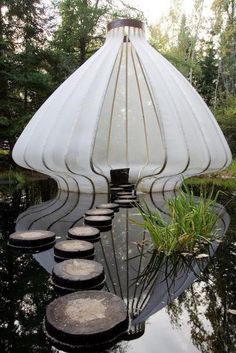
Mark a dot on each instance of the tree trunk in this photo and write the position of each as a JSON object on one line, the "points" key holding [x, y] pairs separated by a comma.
{"points": [[82, 46], [3, 81]]}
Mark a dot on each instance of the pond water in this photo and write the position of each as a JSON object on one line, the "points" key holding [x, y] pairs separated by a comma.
{"points": [[177, 305]]}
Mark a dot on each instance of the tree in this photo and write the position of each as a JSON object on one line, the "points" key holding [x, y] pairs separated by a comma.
{"points": [[78, 29], [225, 28], [83, 27], [164, 34], [5, 47], [208, 79], [225, 114], [26, 83], [175, 36]]}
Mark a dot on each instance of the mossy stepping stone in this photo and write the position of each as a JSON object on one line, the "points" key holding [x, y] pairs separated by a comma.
{"points": [[78, 274], [86, 321], [73, 249], [87, 233]]}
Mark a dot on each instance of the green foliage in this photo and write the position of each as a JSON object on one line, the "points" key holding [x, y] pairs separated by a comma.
{"points": [[83, 28], [221, 183], [192, 222], [4, 152], [232, 167], [208, 71], [13, 176], [225, 27], [25, 82], [208, 61], [79, 27], [225, 114], [176, 37]]}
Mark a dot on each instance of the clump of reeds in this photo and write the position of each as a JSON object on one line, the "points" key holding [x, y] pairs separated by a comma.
{"points": [[192, 222]]}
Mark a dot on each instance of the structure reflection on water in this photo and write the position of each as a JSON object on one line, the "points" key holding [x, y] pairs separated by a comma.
{"points": [[145, 280]]}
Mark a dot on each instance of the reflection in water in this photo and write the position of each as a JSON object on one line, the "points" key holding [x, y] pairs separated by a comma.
{"points": [[147, 281], [22, 293]]}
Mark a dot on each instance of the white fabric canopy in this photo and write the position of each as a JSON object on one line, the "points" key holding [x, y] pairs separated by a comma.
{"points": [[126, 107]]}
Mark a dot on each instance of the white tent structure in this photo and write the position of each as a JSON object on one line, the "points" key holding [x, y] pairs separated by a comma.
{"points": [[126, 107]]}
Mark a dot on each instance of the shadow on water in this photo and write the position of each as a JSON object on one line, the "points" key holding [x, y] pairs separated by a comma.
{"points": [[145, 280]]}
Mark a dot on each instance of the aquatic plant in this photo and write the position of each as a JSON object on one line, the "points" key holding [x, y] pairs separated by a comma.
{"points": [[13, 176], [192, 222]]}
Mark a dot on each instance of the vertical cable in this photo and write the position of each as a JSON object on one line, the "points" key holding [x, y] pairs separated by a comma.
{"points": [[126, 100], [127, 251], [142, 109], [113, 106]]}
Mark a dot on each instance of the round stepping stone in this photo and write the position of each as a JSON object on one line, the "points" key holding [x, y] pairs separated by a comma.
{"points": [[84, 233], [111, 206], [126, 187], [100, 212], [127, 197], [78, 274], [98, 221], [126, 203], [73, 249], [114, 190], [124, 193], [86, 321], [32, 239]]}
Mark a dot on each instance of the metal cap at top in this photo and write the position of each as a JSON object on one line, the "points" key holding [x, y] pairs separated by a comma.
{"points": [[126, 22]]}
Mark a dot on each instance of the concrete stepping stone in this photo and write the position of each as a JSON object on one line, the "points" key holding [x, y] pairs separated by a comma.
{"points": [[127, 187], [126, 203], [32, 240], [78, 274], [115, 190], [87, 233], [124, 193], [100, 222], [86, 321], [100, 212], [111, 206], [127, 197], [73, 249]]}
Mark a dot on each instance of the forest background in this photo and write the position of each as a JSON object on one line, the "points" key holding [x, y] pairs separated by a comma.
{"points": [[42, 42]]}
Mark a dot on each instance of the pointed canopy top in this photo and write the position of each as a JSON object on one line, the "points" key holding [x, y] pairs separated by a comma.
{"points": [[126, 22]]}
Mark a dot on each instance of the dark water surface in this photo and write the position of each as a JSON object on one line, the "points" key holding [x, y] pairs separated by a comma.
{"points": [[177, 305]]}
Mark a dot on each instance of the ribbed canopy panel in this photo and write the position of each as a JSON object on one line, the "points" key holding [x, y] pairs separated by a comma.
{"points": [[126, 107], [128, 133]]}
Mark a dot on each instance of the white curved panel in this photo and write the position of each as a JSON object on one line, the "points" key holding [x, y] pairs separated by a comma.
{"points": [[126, 107]]}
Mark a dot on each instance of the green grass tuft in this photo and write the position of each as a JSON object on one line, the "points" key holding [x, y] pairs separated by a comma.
{"points": [[232, 167], [192, 222]]}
